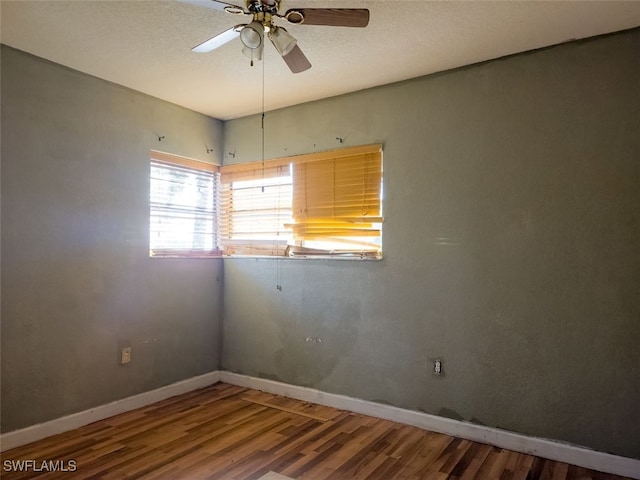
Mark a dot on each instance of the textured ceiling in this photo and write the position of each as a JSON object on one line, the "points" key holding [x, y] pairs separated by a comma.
{"points": [[146, 45]]}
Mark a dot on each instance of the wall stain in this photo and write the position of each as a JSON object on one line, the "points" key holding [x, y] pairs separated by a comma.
{"points": [[448, 413], [477, 422]]}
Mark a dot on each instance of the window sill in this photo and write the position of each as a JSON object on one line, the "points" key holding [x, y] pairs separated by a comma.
{"points": [[306, 258], [184, 254]]}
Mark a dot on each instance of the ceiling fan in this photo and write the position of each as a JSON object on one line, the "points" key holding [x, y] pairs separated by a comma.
{"points": [[263, 13]]}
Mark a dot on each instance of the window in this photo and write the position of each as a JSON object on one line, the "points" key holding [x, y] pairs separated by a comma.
{"points": [[256, 209], [183, 207], [326, 204]]}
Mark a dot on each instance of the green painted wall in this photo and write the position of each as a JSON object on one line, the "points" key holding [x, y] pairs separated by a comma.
{"points": [[511, 242], [77, 282]]}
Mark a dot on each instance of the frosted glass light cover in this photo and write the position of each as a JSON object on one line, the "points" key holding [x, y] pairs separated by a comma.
{"points": [[282, 40], [251, 35]]}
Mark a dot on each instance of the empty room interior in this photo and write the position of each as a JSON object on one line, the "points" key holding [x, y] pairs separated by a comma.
{"points": [[329, 239]]}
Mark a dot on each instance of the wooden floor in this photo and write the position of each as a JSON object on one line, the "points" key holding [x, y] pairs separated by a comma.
{"points": [[229, 432]]}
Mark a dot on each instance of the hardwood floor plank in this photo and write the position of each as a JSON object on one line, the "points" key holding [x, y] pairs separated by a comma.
{"points": [[470, 472], [233, 433], [306, 409]]}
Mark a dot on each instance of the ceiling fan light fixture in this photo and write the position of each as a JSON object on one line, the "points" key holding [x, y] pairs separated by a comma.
{"points": [[252, 35], [282, 40]]}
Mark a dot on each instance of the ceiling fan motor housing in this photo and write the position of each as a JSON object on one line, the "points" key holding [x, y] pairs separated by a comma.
{"points": [[268, 6]]}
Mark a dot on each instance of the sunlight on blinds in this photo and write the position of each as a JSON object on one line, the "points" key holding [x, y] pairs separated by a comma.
{"points": [[337, 204]]}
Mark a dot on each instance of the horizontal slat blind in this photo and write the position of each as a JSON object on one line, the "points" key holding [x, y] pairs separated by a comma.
{"points": [[320, 204], [256, 172], [339, 200], [256, 206], [183, 207]]}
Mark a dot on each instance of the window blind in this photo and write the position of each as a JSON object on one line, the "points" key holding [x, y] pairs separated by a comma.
{"points": [[183, 207], [256, 206], [320, 204], [338, 201]]}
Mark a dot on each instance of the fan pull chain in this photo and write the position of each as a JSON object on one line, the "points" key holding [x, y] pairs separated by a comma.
{"points": [[262, 121]]}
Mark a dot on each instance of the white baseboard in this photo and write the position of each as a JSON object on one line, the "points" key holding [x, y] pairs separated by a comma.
{"points": [[63, 424], [583, 457]]}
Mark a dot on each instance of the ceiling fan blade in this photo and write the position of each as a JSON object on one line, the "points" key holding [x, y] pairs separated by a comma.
{"points": [[218, 40], [296, 60], [215, 4], [337, 17]]}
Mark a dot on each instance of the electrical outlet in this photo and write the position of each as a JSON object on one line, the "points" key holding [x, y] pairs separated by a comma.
{"points": [[125, 355], [437, 367]]}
